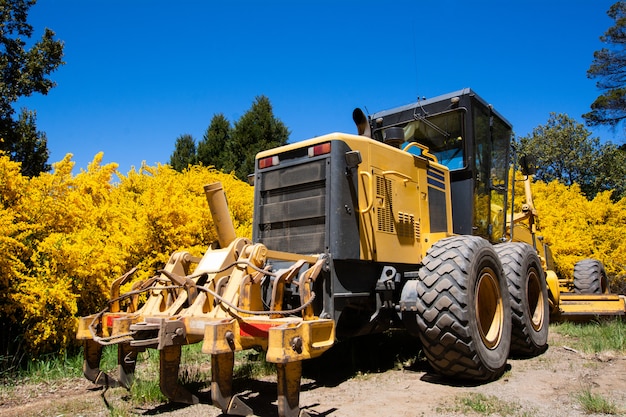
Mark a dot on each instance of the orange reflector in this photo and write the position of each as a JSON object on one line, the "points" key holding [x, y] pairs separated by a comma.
{"points": [[321, 149]]}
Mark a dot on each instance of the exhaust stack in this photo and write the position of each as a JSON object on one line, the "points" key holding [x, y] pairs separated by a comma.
{"points": [[219, 211], [362, 124]]}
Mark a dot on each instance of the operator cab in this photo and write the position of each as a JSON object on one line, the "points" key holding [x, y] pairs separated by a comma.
{"points": [[468, 136]]}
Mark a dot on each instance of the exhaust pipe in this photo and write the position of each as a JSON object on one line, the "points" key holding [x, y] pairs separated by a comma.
{"points": [[219, 211], [361, 122]]}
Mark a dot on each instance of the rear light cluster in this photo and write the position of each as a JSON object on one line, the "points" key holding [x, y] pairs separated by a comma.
{"points": [[312, 151], [270, 161], [317, 150]]}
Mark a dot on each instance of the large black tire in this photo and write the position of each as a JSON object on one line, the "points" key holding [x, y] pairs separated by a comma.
{"points": [[463, 310], [529, 298], [590, 277]]}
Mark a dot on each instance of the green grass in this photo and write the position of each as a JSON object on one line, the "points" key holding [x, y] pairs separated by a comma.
{"points": [[195, 369], [252, 364], [595, 337], [54, 366], [595, 403], [476, 403], [146, 392]]}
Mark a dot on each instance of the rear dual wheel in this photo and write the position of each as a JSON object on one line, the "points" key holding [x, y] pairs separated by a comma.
{"points": [[462, 309], [529, 298]]}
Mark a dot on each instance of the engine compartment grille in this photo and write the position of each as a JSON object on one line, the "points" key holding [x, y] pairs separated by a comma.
{"points": [[292, 210]]}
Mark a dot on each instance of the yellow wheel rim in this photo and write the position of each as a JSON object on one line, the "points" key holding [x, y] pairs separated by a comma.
{"points": [[535, 300], [489, 308]]}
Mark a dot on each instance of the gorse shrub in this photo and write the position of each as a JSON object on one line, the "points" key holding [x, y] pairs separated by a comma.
{"points": [[577, 228], [65, 238]]}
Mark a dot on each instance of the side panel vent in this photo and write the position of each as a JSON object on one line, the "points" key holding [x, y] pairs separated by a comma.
{"points": [[407, 226], [385, 213]]}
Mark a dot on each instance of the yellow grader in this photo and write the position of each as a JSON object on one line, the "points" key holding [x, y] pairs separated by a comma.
{"points": [[403, 225]]}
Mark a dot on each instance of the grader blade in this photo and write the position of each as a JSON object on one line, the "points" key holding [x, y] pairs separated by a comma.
{"points": [[589, 306]]}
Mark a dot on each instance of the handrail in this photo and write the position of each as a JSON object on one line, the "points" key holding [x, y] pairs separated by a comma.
{"points": [[371, 192], [405, 178], [424, 149]]}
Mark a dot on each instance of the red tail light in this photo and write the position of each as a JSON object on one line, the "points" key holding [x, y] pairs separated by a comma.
{"points": [[321, 149], [270, 161]]}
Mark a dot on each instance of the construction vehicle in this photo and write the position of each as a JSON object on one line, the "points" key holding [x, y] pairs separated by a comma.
{"points": [[583, 296], [403, 225]]}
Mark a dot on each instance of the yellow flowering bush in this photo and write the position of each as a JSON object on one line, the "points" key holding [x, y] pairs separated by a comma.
{"points": [[66, 237], [577, 228]]}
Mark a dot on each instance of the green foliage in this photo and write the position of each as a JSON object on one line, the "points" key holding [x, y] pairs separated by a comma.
{"points": [[255, 131], [66, 237], [24, 72], [253, 365], [596, 403], [608, 67], [146, 391], [213, 148], [565, 151], [476, 403], [595, 337], [184, 153], [577, 228], [233, 149]]}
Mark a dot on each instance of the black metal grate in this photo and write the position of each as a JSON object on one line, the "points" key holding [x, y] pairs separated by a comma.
{"points": [[292, 213]]}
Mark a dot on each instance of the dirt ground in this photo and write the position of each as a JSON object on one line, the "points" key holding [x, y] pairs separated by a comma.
{"points": [[543, 386]]}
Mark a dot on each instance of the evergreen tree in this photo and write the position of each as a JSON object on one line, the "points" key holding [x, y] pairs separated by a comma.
{"points": [[609, 67], [184, 153], [611, 170], [32, 151], [213, 148], [255, 131], [24, 72]]}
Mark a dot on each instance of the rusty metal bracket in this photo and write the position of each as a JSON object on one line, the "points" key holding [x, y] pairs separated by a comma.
{"points": [[188, 284], [169, 364], [115, 290], [222, 385], [158, 333]]}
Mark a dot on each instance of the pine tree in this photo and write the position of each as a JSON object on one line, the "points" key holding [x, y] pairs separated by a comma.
{"points": [[213, 148], [609, 67], [255, 131], [24, 72], [184, 153]]}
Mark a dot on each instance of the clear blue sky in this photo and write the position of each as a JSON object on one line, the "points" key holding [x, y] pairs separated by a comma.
{"points": [[139, 73]]}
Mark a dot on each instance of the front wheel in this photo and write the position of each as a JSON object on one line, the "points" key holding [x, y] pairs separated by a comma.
{"points": [[462, 309]]}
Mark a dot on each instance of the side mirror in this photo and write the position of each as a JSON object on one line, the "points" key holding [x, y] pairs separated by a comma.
{"points": [[528, 165]]}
